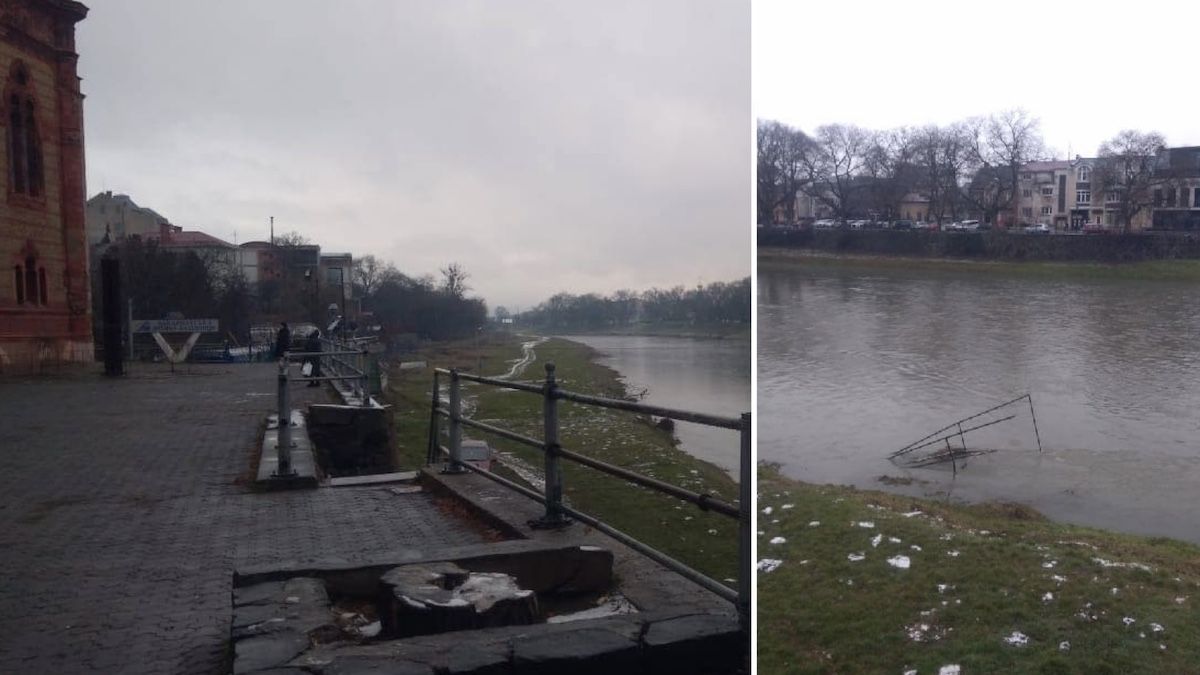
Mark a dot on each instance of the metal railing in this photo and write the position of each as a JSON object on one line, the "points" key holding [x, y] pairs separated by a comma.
{"points": [[342, 370], [558, 514]]}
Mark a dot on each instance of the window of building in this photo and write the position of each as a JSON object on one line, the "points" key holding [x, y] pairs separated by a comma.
{"points": [[1047, 190], [1027, 211], [333, 276], [19, 283], [1083, 174], [1045, 210], [1026, 193], [1196, 198], [42, 286], [1170, 197], [24, 144], [1113, 197], [1158, 197], [31, 281], [1083, 196]]}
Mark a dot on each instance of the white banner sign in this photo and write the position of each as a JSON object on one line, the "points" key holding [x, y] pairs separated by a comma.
{"points": [[174, 325]]}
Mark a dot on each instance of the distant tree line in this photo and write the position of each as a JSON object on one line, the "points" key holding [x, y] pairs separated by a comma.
{"points": [[419, 306], [970, 167], [715, 303]]}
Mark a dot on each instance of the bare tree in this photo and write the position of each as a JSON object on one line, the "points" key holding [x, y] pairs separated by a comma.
{"points": [[292, 239], [1126, 173], [368, 273], [998, 146], [838, 157], [780, 169], [454, 280]]}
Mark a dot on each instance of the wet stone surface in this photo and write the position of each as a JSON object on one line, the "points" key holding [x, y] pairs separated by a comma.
{"points": [[124, 509]]}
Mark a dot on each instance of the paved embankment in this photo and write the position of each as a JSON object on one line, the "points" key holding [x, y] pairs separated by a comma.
{"points": [[125, 506]]}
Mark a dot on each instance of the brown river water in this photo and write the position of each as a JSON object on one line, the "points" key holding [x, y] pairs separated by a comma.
{"points": [[855, 362]]}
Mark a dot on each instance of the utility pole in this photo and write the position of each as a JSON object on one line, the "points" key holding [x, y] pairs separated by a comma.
{"points": [[272, 230]]}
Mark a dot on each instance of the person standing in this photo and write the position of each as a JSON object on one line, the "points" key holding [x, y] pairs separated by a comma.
{"points": [[283, 340], [313, 347]]}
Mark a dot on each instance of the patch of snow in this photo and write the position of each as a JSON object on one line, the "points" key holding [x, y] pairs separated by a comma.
{"points": [[778, 540], [767, 511], [894, 540], [875, 540], [866, 523], [1109, 563], [984, 533], [712, 531], [1179, 600], [917, 631], [911, 671], [370, 630], [1017, 639], [910, 514], [292, 599], [612, 606], [1064, 646], [942, 588], [915, 547], [953, 554], [814, 523], [1128, 621], [1115, 590], [946, 537], [1049, 564], [952, 669], [1156, 627], [1058, 579], [1047, 597], [788, 506], [899, 561], [767, 565], [856, 557], [803, 562]]}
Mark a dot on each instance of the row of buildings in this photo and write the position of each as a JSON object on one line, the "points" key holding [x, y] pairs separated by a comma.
{"points": [[323, 279], [1066, 195]]}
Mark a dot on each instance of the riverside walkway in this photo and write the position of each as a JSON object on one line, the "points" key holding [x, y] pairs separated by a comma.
{"points": [[125, 506]]}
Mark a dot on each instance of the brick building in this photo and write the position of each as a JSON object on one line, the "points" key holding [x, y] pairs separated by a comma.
{"points": [[45, 313]]}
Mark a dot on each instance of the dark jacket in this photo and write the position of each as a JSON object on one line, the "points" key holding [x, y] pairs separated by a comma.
{"points": [[283, 342]]}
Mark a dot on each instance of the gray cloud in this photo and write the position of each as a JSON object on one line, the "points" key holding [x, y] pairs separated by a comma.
{"points": [[544, 145]]}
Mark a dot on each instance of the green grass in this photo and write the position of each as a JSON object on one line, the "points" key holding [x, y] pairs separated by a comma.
{"points": [[706, 541], [831, 615], [1154, 270]]}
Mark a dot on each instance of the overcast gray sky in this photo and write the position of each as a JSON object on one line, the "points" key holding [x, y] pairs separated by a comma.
{"points": [[545, 146], [1086, 69]]}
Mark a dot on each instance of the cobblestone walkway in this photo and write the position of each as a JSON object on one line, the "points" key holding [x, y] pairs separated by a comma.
{"points": [[124, 509]]}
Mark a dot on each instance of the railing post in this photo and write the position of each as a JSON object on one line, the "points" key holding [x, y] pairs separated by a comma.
{"points": [[455, 465], [553, 470], [362, 377], [283, 432], [432, 452], [745, 503]]}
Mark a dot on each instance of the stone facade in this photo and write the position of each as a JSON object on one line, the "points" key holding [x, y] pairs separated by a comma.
{"points": [[45, 309], [113, 217]]}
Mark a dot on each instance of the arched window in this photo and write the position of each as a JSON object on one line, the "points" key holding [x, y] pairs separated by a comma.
{"points": [[24, 144], [31, 281], [19, 283], [42, 286]]}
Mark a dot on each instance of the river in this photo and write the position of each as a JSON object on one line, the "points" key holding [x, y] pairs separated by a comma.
{"points": [[704, 375], [856, 362]]}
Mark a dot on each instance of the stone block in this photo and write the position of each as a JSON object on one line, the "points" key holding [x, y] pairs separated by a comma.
{"points": [[699, 643], [268, 651], [584, 651]]}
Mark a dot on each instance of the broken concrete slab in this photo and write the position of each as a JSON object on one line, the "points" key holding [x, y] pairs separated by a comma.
{"points": [[427, 599], [538, 566], [267, 651]]}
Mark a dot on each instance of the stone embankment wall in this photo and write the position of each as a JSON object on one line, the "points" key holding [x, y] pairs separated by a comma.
{"points": [[1109, 248]]}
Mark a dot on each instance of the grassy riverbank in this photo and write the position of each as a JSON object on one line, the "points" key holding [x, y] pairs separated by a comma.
{"points": [[706, 541], [1085, 600], [1155, 270]]}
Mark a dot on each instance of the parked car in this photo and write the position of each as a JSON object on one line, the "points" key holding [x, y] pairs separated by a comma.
{"points": [[825, 224], [1040, 228], [902, 225], [859, 224], [1096, 228], [969, 225]]}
